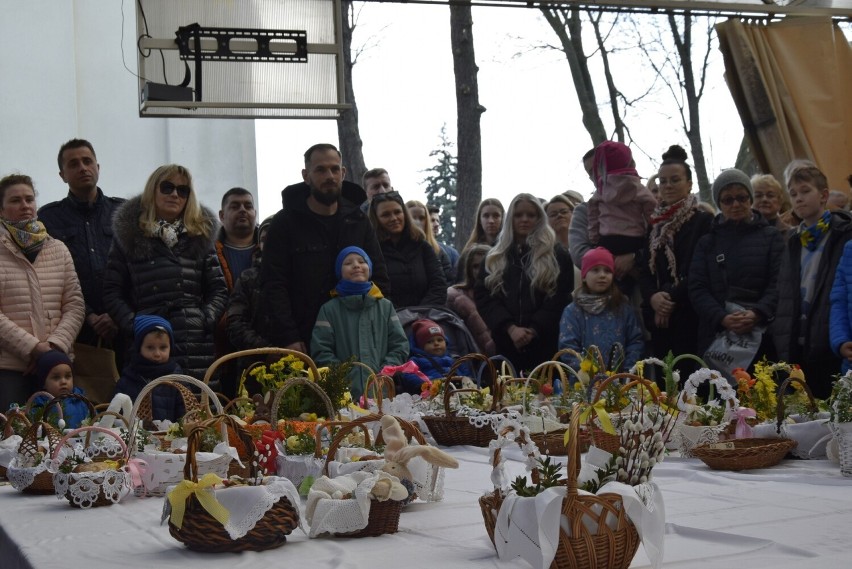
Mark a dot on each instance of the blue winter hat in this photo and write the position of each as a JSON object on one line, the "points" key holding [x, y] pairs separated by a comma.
{"points": [[338, 263], [145, 323], [47, 361]]}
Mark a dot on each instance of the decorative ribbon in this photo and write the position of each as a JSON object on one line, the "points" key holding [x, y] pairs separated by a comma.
{"points": [[744, 430], [599, 407], [407, 367], [203, 491], [136, 467]]}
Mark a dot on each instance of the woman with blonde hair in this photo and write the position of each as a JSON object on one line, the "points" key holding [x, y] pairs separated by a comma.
{"points": [[771, 200], [525, 285], [163, 262], [489, 222], [420, 216]]}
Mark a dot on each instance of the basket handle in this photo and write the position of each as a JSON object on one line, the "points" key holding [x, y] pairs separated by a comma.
{"points": [[173, 380], [31, 437], [573, 456], [451, 374], [378, 382], [190, 469], [57, 401], [342, 432], [779, 410], [28, 407], [12, 415], [287, 385], [88, 430], [234, 402], [505, 366]]}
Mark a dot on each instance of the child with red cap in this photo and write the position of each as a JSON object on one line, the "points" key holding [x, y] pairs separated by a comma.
{"points": [[429, 350], [600, 315]]}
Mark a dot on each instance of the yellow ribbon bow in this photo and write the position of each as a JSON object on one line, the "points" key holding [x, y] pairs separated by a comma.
{"points": [[599, 407], [203, 491]]}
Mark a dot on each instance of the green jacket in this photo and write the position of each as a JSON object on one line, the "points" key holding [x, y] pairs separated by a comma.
{"points": [[364, 326]]}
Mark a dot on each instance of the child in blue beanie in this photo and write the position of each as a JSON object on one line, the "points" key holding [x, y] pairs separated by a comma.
{"points": [[358, 321], [153, 342], [53, 370]]}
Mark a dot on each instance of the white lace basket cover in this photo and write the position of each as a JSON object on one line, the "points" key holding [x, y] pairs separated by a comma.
{"points": [[246, 505], [8, 449], [21, 475], [428, 479], [162, 469], [84, 489], [812, 435], [297, 467]]}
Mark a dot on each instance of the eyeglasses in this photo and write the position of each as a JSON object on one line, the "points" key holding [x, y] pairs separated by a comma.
{"points": [[167, 188], [391, 196], [729, 200], [556, 213]]}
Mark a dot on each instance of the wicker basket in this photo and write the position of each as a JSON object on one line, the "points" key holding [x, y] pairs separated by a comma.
{"points": [[608, 441], [34, 479], [807, 433], [91, 489], [200, 531], [451, 430], [490, 503], [10, 448], [58, 400], [163, 469], [744, 454]]}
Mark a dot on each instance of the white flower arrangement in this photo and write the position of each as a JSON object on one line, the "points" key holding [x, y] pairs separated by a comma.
{"points": [[840, 401]]}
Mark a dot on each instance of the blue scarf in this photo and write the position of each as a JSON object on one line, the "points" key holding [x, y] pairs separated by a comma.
{"points": [[351, 288]]}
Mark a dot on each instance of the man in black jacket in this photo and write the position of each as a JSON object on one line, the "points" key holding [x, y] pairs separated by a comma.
{"points": [[321, 216], [83, 221]]}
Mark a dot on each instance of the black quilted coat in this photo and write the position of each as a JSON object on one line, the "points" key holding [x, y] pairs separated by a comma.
{"points": [[184, 285]]}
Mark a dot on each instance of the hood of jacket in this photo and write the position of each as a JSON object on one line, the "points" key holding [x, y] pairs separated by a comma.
{"points": [[136, 244], [295, 196]]}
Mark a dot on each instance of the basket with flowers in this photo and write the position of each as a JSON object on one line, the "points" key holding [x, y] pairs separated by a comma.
{"points": [[557, 523], [840, 423], [468, 413], [28, 469]]}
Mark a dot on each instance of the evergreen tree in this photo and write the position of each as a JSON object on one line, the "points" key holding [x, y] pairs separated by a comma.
{"points": [[441, 186]]}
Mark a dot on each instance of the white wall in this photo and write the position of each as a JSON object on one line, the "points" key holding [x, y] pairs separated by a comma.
{"points": [[62, 77]]}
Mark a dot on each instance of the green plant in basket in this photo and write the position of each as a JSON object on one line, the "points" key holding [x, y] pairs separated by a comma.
{"points": [[840, 402], [299, 442], [548, 476]]}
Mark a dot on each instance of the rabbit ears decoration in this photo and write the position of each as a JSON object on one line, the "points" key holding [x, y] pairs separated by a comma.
{"points": [[398, 452]]}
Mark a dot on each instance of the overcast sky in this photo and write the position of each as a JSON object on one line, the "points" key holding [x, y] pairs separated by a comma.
{"points": [[532, 134]]}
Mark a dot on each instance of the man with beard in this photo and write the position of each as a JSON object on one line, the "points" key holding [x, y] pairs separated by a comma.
{"points": [[321, 216]]}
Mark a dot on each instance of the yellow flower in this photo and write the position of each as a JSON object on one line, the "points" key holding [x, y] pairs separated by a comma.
{"points": [[277, 366], [257, 371], [586, 366]]}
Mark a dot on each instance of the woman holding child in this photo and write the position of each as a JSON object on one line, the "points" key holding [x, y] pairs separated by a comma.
{"points": [[163, 262], [41, 304], [525, 283]]}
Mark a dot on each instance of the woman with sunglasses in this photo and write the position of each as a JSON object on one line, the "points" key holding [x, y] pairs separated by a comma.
{"points": [[525, 283], [163, 262], [415, 274], [733, 277]]}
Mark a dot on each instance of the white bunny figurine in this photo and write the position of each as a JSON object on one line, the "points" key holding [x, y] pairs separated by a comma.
{"points": [[398, 453]]}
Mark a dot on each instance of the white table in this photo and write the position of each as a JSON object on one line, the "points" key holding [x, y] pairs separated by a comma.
{"points": [[796, 515]]}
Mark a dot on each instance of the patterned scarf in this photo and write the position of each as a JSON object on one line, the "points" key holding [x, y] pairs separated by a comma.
{"points": [[170, 232], [591, 303], [28, 235], [811, 236], [666, 222]]}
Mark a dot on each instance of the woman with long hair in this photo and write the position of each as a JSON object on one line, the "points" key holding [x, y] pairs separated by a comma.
{"points": [[676, 227], [415, 274], [41, 303], [421, 217], [460, 297], [163, 262], [525, 284], [489, 222]]}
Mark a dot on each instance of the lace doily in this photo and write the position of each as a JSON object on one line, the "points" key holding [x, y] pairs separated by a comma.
{"points": [[8, 449], [164, 469], [22, 476], [84, 488], [691, 437], [342, 505]]}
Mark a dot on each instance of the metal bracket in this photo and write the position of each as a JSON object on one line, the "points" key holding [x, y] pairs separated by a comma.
{"points": [[236, 44]]}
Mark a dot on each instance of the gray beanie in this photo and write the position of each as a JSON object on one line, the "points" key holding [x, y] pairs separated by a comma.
{"points": [[728, 177]]}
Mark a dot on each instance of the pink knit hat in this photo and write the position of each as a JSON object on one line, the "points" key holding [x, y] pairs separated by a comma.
{"points": [[424, 330], [595, 257]]}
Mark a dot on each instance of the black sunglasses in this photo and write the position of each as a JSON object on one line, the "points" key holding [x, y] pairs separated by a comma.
{"points": [[729, 200], [167, 188]]}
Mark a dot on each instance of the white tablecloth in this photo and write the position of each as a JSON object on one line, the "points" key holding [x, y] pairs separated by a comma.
{"points": [[796, 515]]}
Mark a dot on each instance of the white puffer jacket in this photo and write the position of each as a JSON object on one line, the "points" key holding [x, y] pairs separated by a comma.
{"points": [[40, 302]]}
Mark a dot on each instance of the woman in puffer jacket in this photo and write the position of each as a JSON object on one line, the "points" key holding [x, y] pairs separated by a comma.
{"points": [[163, 262]]}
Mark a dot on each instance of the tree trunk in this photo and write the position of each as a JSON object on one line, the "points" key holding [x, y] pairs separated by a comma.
{"points": [[568, 27], [347, 124], [693, 130], [469, 182]]}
